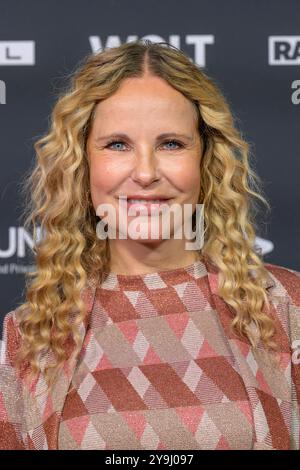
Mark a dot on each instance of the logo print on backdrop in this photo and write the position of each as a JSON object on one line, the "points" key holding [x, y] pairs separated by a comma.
{"points": [[18, 240], [2, 92], [199, 41], [17, 52], [265, 246], [296, 94], [284, 50], [17, 245]]}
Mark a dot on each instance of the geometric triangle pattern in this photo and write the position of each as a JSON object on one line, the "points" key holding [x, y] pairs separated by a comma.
{"points": [[156, 371]]}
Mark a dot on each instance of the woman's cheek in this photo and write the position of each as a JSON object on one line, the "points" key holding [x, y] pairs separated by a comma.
{"points": [[187, 177]]}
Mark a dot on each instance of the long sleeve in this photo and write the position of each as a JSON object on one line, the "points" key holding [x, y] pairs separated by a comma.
{"points": [[294, 320], [11, 403]]}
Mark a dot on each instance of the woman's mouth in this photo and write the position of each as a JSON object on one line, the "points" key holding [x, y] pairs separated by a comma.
{"points": [[144, 205]]}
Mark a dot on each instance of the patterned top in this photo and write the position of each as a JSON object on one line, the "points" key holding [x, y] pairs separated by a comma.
{"points": [[156, 370]]}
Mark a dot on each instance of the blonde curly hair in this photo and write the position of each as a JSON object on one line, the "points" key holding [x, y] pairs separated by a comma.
{"points": [[69, 252]]}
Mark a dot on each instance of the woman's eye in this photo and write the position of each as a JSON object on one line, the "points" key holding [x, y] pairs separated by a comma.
{"points": [[174, 142], [114, 142], [179, 145]]}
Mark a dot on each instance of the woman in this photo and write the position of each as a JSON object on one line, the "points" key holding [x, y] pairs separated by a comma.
{"points": [[137, 342]]}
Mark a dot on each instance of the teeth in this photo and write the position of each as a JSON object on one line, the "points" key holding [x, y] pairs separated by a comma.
{"points": [[145, 201]]}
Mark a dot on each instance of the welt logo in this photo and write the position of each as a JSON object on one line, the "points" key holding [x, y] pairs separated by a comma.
{"points": [[284, 50]]}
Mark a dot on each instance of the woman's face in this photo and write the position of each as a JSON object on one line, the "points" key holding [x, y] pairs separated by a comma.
{"points": [[141, 161]]}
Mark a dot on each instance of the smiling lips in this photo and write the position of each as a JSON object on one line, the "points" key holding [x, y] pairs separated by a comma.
{"points": [[143, 203], [146, 197]]}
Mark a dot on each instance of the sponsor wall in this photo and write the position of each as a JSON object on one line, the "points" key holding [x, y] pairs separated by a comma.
{"points": [[251, 49]]}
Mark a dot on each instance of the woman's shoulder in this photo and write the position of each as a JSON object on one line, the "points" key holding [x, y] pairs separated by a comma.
{"points": [[284, 281], [11, 337], [286, 288], [11, 402], [282, 270]]}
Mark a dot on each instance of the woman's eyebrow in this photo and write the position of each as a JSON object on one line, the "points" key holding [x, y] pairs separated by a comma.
{"points": [[161, 136]]}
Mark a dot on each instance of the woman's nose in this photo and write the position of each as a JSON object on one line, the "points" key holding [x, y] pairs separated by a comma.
{"points": [[145, 167]]}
